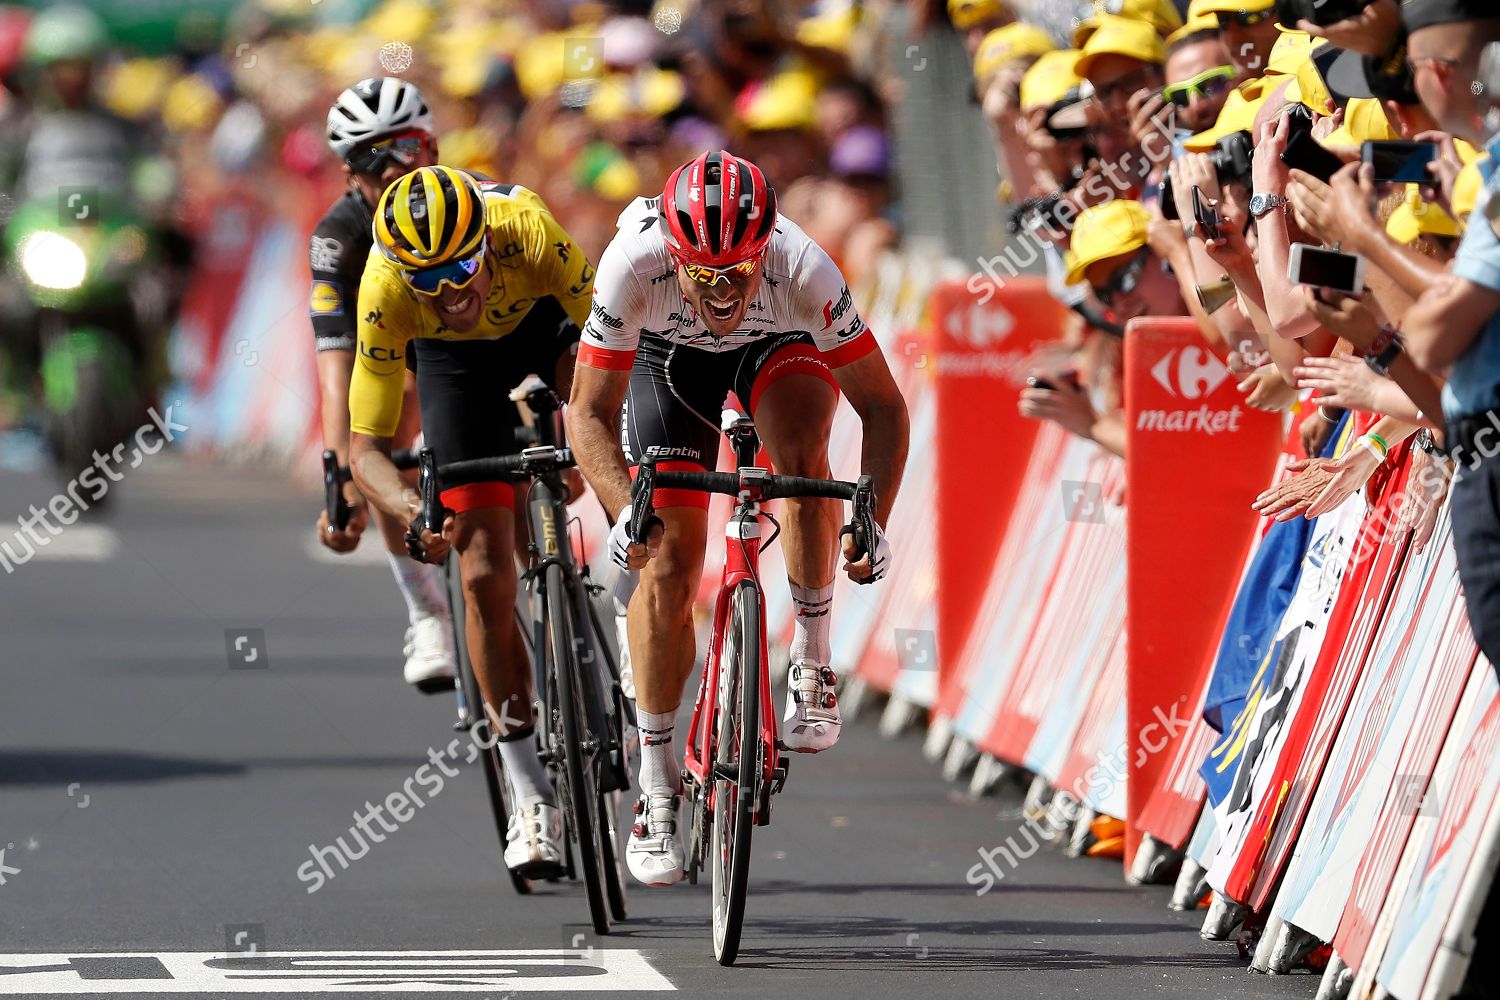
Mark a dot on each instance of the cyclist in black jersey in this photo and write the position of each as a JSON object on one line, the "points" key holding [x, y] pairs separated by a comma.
{"points": [[381, 129]]}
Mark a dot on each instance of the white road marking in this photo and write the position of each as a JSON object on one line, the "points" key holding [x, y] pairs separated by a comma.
{"points": [[79, 543], [543, 970]]}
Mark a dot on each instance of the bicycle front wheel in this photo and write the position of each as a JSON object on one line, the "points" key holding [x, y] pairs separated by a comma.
{"points": [[737, 770], [580, 748]]}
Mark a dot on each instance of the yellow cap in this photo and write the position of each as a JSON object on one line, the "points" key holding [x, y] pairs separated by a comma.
{"points": [[1008, 44], [1364, 120], [1121, 36], [1105, 231], [833, 30], [1049, 79], [1237, 115], [1291, 51], [1229, 6], [649, 92], [785, 101], [190, 103], [1160, 14], [1415, 217], [966, 14], [1466, 188], [1192, 26], [135, 88], [1309, 88]]}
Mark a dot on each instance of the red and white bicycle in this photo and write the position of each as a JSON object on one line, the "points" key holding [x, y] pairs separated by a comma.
{"points": [[733, 761]]}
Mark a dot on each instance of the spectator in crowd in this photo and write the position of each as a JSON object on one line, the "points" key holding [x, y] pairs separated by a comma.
{"points": [[1122, 61], [1001, 62], [974, 19], [1199, 75], [1248, 28]]}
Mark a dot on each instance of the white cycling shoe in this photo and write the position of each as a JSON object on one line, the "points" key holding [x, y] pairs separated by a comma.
{"points": [[533, 842], [811, 723], [430, 662], [654, 853]]}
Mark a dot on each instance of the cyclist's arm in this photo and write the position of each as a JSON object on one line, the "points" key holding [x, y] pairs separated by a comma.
{"points": [[875, 396], [330, 309], [375, 390], [602, 378], [825, 307]]}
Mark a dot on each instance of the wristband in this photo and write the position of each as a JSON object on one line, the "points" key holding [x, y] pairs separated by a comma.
{"points": [[1332, 418], [1376, 444]]}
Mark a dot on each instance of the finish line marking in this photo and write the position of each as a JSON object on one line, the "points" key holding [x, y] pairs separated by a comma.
{"points": [[555, 970]]}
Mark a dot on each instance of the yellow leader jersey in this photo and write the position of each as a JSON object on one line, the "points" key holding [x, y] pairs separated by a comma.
{"points": [[530, 256]]}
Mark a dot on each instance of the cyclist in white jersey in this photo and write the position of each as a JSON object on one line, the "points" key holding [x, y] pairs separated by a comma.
{"points": [[704, 291]]}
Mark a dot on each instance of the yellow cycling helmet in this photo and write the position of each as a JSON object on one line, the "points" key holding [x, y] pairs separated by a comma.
{"points": [[430, 216]]}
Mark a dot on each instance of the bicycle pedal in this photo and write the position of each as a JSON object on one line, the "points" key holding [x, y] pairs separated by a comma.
{"points": [[778, 776]]}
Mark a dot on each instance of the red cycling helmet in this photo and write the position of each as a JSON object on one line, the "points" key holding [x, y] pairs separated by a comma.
{"points": [[717, 210]]}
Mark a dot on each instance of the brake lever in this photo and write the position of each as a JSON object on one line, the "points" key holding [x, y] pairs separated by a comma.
{"points": [[862, 522], [333, 492], [432, 515], [642, 509]]}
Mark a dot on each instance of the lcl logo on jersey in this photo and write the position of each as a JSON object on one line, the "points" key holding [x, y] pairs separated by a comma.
{"points": [[1189, 373]]}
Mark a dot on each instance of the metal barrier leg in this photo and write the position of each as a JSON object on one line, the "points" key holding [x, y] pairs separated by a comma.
{"points": [[1192, 883], [1223, 916]]}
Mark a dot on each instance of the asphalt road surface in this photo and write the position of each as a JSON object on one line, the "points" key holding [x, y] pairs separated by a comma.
{"points": [[156, 805]]}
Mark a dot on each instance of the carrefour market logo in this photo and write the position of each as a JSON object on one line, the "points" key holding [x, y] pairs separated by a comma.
{"points": [[1189, 373]]}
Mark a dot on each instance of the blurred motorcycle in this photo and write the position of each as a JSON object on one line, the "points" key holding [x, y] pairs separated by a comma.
{"points": [[95, 303]]}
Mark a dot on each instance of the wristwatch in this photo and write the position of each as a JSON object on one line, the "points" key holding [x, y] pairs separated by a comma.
{"points": [[1383, 350], [1264, 204]]}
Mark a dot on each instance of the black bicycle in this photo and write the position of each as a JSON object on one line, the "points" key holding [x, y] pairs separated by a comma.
{"points": [[583, 710], [584, 713]]}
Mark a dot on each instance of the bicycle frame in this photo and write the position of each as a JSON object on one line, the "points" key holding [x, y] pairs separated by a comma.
{"points": [[742, 541]]}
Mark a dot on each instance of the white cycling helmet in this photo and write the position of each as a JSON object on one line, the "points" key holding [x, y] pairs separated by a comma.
{"points": [[376, 107]]}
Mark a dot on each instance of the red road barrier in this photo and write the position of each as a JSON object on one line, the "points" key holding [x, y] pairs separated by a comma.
{"points": [[1197, 456], [984, 333]]}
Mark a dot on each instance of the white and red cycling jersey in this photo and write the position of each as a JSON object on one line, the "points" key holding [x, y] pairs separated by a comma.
{"points": [[636, 295]]}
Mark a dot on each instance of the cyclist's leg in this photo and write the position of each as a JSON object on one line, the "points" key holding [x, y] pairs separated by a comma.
{"points": [[466, 414], [792, 398], [660, 618]]}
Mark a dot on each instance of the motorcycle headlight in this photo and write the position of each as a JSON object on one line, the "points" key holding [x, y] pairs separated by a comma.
{"points": [[51, 260]]}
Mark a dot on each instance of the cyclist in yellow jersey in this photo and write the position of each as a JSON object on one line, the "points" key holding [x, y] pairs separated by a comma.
{"points": [[483, 287]]}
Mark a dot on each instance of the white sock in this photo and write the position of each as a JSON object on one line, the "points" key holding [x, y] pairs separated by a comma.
{"points": [[421, 586], [660, 774], [810, 627], [528, 778]]}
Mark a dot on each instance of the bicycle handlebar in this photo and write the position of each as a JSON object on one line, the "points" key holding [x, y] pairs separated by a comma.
{"points": [[764, 485], [336, 475]]}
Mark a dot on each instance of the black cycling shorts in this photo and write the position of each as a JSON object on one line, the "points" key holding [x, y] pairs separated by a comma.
{"points": [[464, 387], [677, 395]]}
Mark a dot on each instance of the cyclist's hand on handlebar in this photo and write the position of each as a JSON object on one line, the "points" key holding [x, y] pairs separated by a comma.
{"points": [[348, 539], [626, 554], [866, 569], [423, 545]]}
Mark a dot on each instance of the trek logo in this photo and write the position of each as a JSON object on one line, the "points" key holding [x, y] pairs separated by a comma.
{"points": [[1189, 373], [834, 311], [380, 353], [597, 311]]}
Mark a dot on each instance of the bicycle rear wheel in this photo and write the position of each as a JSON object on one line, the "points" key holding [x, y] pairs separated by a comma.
{"points": [[578, 793], [737, 770], [495, 781]]}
